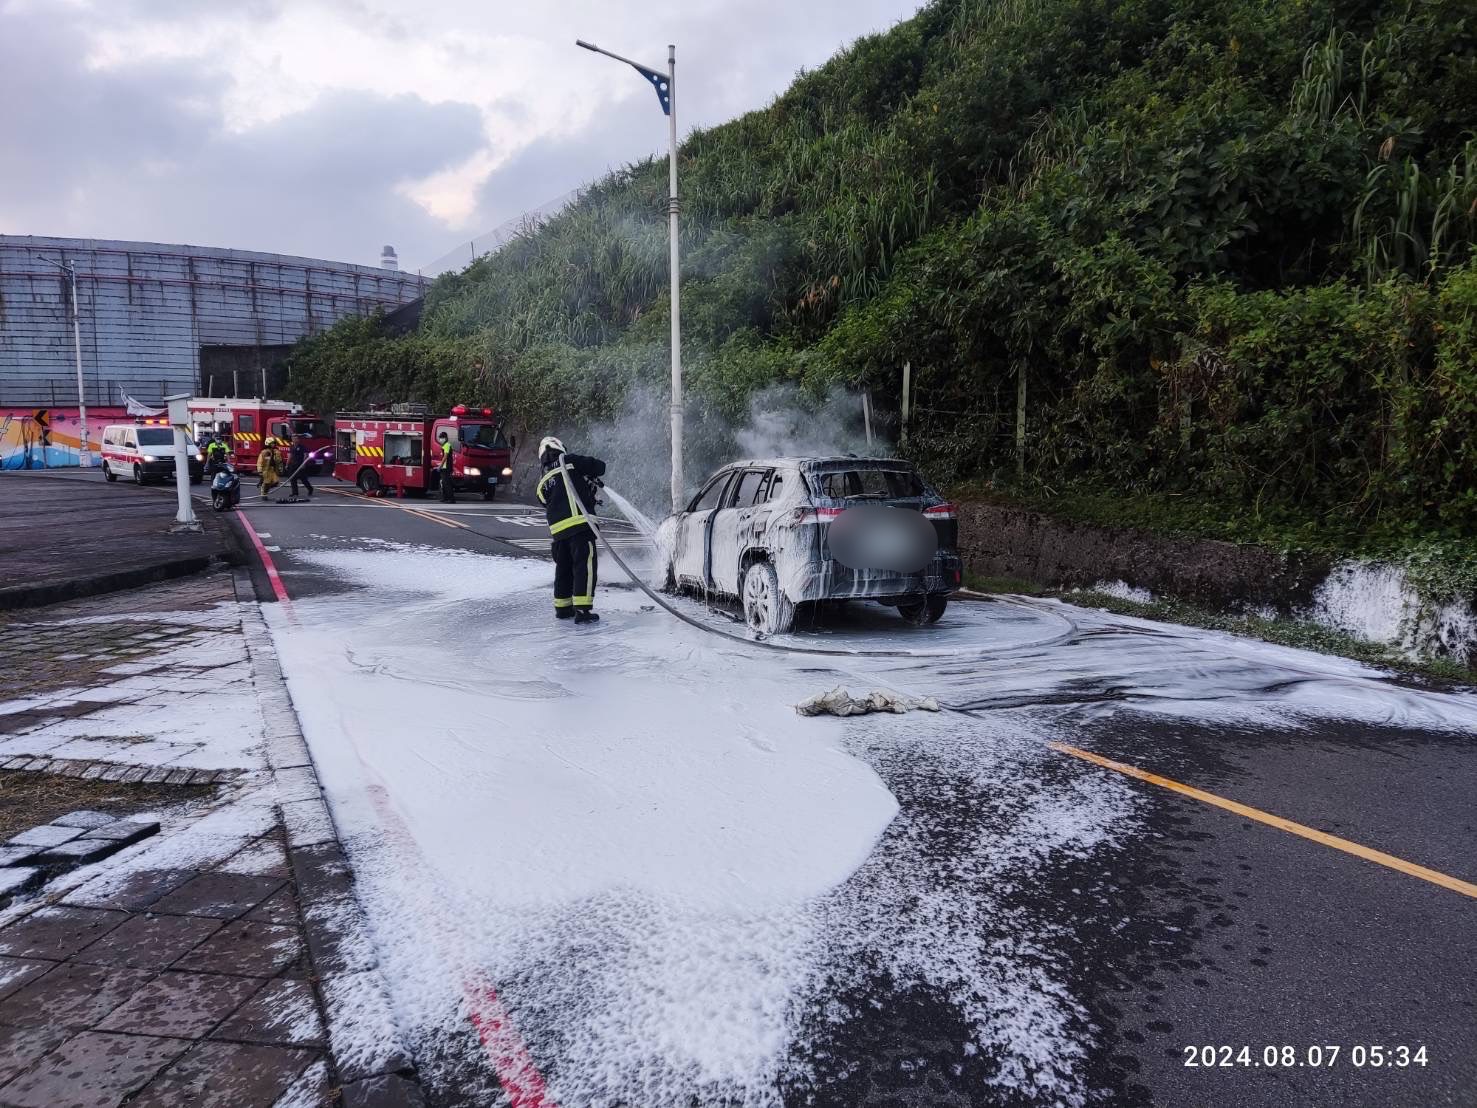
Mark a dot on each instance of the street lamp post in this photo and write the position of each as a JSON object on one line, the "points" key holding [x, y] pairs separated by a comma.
{"points": [[84, 451], [666, 92]]}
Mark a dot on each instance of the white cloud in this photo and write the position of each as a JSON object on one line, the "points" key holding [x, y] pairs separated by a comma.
{"points": [[238, 72]]}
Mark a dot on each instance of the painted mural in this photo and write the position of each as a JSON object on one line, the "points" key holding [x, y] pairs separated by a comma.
{"points": [[48, 438]]}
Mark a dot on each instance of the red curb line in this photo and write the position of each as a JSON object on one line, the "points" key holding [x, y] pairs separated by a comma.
{"points": [[267, 564], [515, 1067]]}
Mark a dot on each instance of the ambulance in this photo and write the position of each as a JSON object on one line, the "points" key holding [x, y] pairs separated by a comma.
{"points": [[399, 451], [144, 451]]}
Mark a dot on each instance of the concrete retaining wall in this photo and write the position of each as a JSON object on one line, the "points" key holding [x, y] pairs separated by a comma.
{"points": [[1370, 600], [1003, 541]]}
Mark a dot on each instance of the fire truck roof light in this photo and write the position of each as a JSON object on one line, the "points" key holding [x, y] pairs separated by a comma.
{"points": [[460, 409], [487, 411]]}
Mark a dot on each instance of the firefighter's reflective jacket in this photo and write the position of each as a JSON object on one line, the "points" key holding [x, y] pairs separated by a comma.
{"points": [[564, 518]]}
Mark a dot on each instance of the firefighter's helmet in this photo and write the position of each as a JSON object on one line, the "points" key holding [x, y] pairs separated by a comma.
{"points": [[550, 443]]}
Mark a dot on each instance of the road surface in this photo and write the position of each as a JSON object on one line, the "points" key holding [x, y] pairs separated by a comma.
{"points": [[611, 866]]}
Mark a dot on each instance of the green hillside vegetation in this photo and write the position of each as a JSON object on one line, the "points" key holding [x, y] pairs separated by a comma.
{"points": [[1228, 243]]}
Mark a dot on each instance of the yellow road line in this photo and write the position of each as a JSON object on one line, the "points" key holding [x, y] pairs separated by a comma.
{"points": [[421, 512], [433, 517], [1379, 857]]}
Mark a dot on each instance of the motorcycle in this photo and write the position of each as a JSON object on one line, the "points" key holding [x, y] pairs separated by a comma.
{"points": [[225, 488]]}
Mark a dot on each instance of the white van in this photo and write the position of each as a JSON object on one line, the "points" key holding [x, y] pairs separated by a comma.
{"points": [[144, 452]]}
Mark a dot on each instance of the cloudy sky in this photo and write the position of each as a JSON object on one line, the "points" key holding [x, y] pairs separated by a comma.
{"points": [[330, 127]]}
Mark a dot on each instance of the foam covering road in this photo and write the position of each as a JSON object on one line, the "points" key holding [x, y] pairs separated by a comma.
{"points": [[610, 866]]}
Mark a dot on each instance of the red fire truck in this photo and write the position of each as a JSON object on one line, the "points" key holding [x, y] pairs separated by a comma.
{"points": [[245, 425], [400, 450]]}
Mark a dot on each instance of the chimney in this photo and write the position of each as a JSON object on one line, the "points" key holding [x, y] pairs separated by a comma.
{"points": [[388, 260]]}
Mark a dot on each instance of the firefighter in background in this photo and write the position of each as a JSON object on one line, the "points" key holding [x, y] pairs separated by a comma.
{"points": [[297, 465], [447, 478], [268, 467], [575, 559]]}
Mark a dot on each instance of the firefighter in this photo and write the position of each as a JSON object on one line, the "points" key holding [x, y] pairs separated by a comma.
{"points": [[268, 467], [297, 465], [575, 559], [448, 480]]}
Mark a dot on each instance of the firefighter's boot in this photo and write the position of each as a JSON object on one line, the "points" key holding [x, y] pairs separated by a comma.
{"points": [[563, 613], [584, 615]]}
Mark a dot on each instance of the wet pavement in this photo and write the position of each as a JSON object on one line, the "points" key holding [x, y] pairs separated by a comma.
{"points": [[208, 950], [163, 987], [50, 554], [1022, 928], [610, 866]]}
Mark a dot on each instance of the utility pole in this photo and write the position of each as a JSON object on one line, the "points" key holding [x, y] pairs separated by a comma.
{"points": [[907, 407], [1020, 421], [666, 93], [84, 446]]}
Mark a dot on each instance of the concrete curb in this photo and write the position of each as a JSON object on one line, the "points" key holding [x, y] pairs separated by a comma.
{"points": [[54, 592], [374, 1065]]}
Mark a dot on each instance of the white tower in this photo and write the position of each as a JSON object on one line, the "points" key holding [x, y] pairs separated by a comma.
{"points": [[388, 260]]}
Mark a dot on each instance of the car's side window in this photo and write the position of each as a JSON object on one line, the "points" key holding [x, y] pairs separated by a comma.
{"points": [[748, 487], [709, 497], [776, 487]]}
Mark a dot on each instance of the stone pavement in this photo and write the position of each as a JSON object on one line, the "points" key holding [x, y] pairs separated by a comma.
{"points": [[126, 540], [223, 960]]}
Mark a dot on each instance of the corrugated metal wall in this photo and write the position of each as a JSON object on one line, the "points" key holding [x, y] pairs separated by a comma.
{"points": [[146, 309]]}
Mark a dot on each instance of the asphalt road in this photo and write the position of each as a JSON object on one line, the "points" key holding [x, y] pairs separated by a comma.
{"points": [[1198, 934]]}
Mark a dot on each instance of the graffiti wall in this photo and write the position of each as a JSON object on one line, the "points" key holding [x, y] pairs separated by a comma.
{"points": [[48, 438]]}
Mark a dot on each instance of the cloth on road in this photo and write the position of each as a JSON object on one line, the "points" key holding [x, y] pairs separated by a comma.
{"points": [[839, 702]]}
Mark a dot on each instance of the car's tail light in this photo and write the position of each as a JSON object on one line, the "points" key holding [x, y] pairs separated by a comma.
{"points": [[815, 515], [940, 512]]}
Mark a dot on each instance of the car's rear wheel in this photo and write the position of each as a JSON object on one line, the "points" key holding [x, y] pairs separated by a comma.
{"points": [[108, 472], [767, 610], [920, 613], [369, 482]]}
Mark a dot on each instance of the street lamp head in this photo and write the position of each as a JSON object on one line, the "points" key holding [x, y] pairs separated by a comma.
{"points": [[587, 45]]}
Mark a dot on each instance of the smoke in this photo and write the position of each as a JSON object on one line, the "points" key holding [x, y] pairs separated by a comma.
{"points": [[782, 421], [785, 422]]}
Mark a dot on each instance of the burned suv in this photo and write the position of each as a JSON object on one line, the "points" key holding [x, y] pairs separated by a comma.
{"points": [[790, 531]]}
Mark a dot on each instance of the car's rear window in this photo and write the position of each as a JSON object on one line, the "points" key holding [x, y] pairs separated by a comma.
{"points": [[155, 436], [867, 484]]}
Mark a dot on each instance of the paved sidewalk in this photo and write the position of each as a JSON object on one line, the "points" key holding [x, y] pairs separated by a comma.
{"points": [[126, 540], [224, 959]]}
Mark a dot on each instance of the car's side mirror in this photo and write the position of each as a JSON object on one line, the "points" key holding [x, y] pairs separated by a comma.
{"points": [[513, 443]]}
